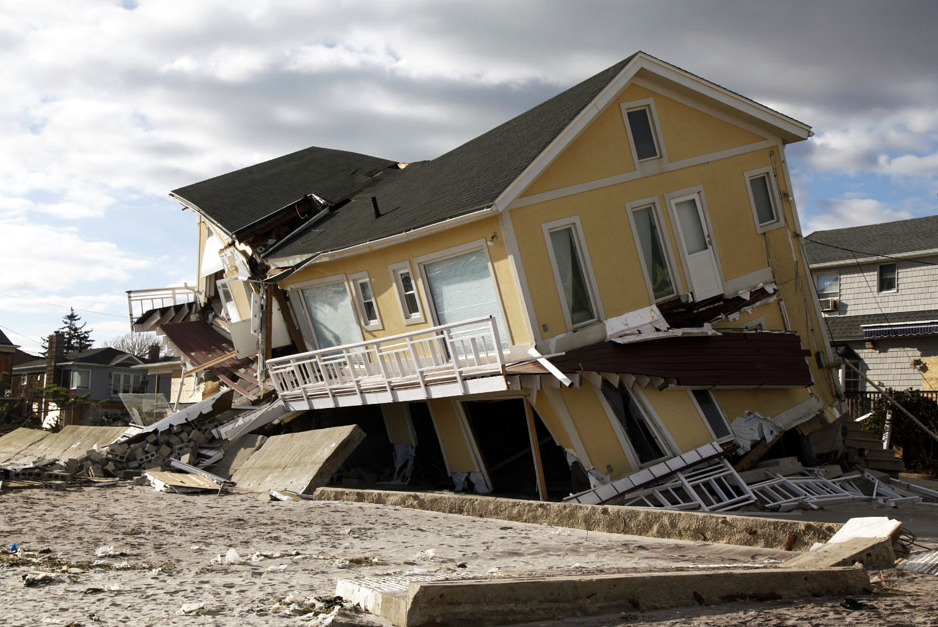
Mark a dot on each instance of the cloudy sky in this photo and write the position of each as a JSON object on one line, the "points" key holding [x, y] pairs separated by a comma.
{"points": [[107, 105]]}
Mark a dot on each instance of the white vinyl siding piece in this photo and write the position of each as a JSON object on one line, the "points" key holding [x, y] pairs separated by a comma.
{"points": [[333, 319], [570, 272], [462, 288]]}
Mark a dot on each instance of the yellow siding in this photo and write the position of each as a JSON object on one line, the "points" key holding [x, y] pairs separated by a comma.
{"points": [[397, 421], [376, 264], [680, 417], [446, 421], [547, 414], [611, 245], [591, 422], [765, 402], [602, 149]]}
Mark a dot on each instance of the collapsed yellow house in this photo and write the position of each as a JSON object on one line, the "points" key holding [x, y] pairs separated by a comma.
{"points": [[603, 283]]}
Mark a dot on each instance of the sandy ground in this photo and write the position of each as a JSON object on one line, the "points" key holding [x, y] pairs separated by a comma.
{"points": [[134, 557]]}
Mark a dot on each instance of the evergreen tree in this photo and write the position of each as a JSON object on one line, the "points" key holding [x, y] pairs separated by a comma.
{"points": [[74, 335]]}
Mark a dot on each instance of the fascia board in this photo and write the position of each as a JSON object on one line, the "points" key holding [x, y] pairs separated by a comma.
{"points": [[194, 207]]}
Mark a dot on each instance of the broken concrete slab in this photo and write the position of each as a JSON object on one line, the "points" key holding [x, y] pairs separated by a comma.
{"points": [[300, 462], [71, 442], [871, 541], [236, 453], [770, 533], [502, 601]]}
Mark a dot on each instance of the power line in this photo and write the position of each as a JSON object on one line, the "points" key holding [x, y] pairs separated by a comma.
{"points": [[31, 300], [31, 339], [869, 254]]}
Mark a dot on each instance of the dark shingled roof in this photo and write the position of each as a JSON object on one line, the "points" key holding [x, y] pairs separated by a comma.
{"points": [[96, 356], [465, 179], [889, 238], [242, 197], [737, 359], [844, 328]]}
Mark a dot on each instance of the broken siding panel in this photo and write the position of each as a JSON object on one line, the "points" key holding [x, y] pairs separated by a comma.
{"points": [[595, 428], [679, 416]]}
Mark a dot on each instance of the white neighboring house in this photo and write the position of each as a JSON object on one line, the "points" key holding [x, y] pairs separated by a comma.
{"points": [[878, 290]]}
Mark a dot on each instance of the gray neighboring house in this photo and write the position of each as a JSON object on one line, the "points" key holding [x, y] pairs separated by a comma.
{"points": [[101, 373], [878, 289]]}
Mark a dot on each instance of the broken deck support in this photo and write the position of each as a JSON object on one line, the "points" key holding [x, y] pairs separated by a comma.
{"points": [[535, 450]]}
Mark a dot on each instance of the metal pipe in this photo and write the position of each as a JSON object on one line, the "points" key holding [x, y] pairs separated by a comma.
{"points": [[893, 401]]}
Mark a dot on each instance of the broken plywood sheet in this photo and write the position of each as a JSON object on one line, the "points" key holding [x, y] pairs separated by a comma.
{"points": [[70, 443], [300, 462], [180, 482], [236, 453]]}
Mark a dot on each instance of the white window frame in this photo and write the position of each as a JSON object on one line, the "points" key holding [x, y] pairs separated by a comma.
{"points": [[649, 164], [455, 251], [222, 286], [664, 234], [71, 379], [585, 262], [837, 272], [396, 269], [356, 280], [306, 320], [879, 276], [774, 200], [703, 416], [654, 422], [115, 376]]}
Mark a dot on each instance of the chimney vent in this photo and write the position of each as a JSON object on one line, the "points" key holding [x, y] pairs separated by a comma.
{"points": [[374, 205]]}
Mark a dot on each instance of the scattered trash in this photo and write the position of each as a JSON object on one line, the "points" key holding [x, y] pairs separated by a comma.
{"points": [[924, 562], [232, 557], [852, 604], [104, 551], [493, 570], [7, 551], [190, 608], [39, 579]]}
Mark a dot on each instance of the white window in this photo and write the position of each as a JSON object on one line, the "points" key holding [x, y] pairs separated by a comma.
{"points": [[640, 430], [853, 382], [652, 252], [572, 272], [762, 195], [228, 302], [365, 301], [716, 420], [124, 383], [81, 379], [644, 133], [407, 294], [888, 277], [828, 285], [329, 306], [461, 286]]}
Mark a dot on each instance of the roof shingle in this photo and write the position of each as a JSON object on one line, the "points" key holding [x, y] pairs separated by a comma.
{"points": [[888, 238]]}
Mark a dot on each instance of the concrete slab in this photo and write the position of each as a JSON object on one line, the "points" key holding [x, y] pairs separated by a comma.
{"points": [[71, 442], [772, 533], [300, 462], [516, 600], [869, 540], [236, 453], [17, 441]]}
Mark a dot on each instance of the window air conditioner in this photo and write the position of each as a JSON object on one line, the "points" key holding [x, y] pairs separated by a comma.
{"points": [[828, 304]]}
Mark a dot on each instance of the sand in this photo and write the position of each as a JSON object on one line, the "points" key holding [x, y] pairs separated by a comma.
{"points": [[131, 556]]}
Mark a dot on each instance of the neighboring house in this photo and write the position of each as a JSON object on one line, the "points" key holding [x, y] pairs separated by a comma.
{"points": [[100, 373], [617, 272], [878, 288]]}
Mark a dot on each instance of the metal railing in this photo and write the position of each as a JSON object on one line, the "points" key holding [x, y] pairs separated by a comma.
{"points": [[142, 301], [861, 403], [444, 353]]}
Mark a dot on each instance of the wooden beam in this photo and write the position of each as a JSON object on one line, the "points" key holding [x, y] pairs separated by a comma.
{"points": [[287, 313], [535, 449], [232, 384], [756, 453]]}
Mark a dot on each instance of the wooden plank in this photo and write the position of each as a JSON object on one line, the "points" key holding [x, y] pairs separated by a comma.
{"points": [[535, 449], [295, 336], [757, 452]]}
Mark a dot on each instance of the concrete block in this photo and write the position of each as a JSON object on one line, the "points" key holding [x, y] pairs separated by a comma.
{"points": [[502, 601]]}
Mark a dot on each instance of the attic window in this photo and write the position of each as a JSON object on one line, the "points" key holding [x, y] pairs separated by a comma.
{"points": [[643, 134], [763, 199]]}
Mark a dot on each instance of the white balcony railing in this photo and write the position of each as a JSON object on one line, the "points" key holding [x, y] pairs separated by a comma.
{"points": [[142, 301], [450, 354]]}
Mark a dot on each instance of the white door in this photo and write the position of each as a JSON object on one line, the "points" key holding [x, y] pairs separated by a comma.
{"points": [[697, 247]]}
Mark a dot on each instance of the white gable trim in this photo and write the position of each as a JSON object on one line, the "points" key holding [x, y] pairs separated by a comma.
{"points": [[781, 123]]}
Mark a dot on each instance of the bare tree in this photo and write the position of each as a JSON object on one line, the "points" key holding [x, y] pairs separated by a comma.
{"points": [[138, 344]]}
